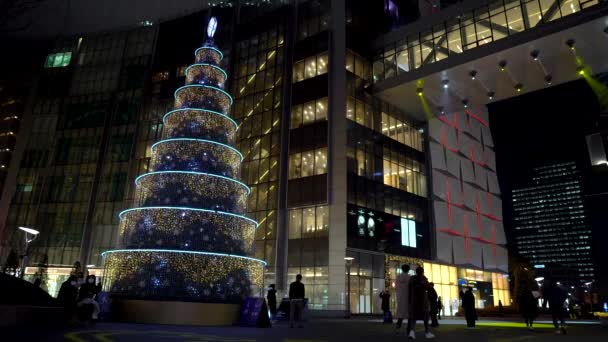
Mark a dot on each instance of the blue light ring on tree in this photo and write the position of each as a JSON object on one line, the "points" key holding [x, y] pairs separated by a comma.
{"points": [[202, 48], [194, 173], [198, 140], [236, 125], [204, 65], [187, 208], [181, 89], [194, 230]]}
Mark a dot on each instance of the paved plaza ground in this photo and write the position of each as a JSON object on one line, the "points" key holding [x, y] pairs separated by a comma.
{"points": [[356, 329]]}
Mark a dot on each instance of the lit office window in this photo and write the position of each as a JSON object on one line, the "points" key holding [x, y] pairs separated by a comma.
{"points": [[308, 163], [58, 60], [309, 112], [310, 67]]}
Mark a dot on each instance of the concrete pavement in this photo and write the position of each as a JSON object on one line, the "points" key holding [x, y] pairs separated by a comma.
{"points": [[321, 330]]}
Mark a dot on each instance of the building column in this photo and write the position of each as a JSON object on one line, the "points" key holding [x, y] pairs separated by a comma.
{"points": [[337, 187]]}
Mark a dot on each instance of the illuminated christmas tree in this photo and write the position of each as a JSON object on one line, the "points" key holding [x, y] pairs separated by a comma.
{"points": [[187, 238]]}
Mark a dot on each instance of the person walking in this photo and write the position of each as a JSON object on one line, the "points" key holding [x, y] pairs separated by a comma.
{"points": [[555, 297], [433, 301], [402, 286], [385, 296], [528, 307], [419, 304], [296, 302], [272, 301], [468, 304]]}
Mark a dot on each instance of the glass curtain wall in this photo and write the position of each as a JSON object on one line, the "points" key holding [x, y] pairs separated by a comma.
{"points": [[58, 169], [257, 90], [469, 30]]}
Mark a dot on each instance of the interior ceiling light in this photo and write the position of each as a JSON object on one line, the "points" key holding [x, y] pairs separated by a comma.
{"points": [[502, 65], [473, 73]]}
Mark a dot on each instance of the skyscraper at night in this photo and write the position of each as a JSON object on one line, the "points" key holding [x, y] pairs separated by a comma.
{"points": [[551, 224], [362, 125]]}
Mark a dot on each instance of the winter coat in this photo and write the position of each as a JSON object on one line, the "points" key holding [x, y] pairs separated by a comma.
{"points": [[527, 304], [433, 299], [386, 297], [402, 286], [419, 298]]}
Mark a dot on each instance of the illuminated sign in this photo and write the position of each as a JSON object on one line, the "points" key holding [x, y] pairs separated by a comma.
{"points": [[408, 232]]}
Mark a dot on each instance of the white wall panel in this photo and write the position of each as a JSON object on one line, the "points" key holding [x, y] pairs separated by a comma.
{"points": [[477, 151], [475, 252], [457, 219], [439, 185], [469, 195], [453, 164], [437, 156], [489, 260], [463, 124], [480, 176], [493, 183], [441, 215], [444, 248], [490, 158], [450, 137], [484, 206], [499, 233], [435, 127], [468, 175], [502, 262], [464, 145], [486, 228], [475, 128], [487, 136], [460, 253]]}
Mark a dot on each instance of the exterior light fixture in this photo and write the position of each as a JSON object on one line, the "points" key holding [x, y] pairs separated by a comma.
{"points": [[580, 70], [519, 87], [491, 95], [473, 73], [502, 64], [419, 91], [446, 84], [440, 110], [465, 103], [534, 55], [570, 43], [548, 79]]}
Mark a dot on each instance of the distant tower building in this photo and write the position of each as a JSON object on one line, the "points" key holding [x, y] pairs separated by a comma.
{"points": [[551, 225]]}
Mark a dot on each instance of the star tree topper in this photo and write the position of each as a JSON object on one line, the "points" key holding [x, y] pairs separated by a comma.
{"points": [[211, 26]]}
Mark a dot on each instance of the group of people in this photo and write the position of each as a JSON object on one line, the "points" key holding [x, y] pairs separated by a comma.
{"points": [[553, 296], [74, 293], [296, 302], [416, 300]]}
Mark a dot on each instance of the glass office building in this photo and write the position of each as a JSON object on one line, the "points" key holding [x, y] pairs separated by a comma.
{"points": [[552, 228]]}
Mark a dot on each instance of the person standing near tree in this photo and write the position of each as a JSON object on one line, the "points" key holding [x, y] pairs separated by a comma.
{"points": [[296, 301], [272, 301], [528, 307], [402, 286]]}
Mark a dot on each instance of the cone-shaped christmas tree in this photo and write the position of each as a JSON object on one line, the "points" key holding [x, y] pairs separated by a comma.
{"points": [[187, 239]]}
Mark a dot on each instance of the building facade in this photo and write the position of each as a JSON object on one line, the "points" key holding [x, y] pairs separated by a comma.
{"points": [[552, 228], [338, 166]]}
